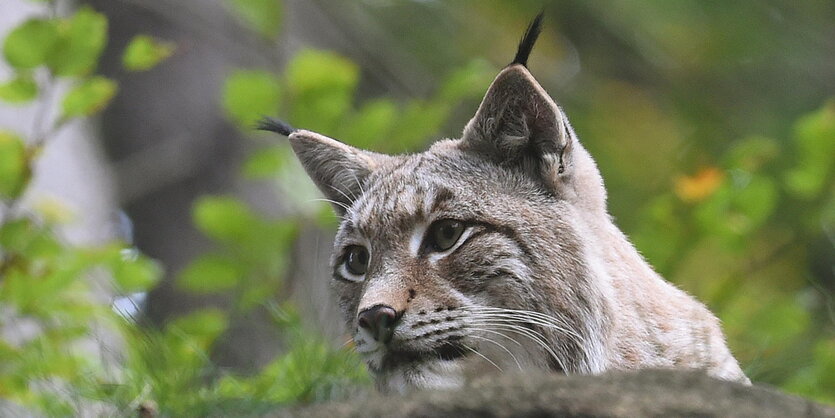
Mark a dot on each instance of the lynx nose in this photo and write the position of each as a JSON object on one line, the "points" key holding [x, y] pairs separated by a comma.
{"points": [[379, 320]]}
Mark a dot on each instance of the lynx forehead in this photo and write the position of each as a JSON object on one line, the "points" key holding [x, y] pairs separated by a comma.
{"points": [[495, 252]]}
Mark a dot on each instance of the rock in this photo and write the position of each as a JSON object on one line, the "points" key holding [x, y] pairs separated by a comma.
{"points": [[645, 393]]}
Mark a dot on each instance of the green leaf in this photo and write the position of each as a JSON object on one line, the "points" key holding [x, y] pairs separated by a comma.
{"points": [[659, 234], [89, 97], [814, 141], [205, 324], [326, 218], [249, 95], [135, 274], [14, 165], [223, 218], [322, 86], [321, 71], [468, 81], [371, 124], [144, 52], [26, 237], [309, 371], [418, 122], [263, 163], [81, 40], [739, 207], [29, 44], [817, 380], [755, 202], [19, 90], [751, 153], [263, 16], [209, 273]]}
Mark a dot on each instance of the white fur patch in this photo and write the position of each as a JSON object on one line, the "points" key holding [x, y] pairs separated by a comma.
{"points": [[437, 375], [417, 239]]}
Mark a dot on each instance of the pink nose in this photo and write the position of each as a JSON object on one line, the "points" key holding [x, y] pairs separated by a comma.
{"points": [[379, 320]]}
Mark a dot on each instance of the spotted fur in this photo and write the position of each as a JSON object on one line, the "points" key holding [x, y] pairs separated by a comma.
{"points": [[541, 278]]}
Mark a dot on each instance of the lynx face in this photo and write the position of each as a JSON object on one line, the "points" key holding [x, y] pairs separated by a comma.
{"points": [[494, 252], [444, 265]]}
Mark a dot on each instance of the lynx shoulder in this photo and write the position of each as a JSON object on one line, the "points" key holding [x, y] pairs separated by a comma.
{"points": [[495, 252]]}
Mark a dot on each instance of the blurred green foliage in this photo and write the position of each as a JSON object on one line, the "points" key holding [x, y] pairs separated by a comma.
{"points": [[739, 225], [262, 16], [50, 286], [737, 235], [19, 90], [29, 44], [144, 52], [14, 165], [249, 94], [88, 97]]}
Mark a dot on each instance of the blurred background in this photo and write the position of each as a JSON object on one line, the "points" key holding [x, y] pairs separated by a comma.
{"points": [[159, 253]]}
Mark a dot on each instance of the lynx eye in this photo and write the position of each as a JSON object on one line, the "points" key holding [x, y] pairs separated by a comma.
{"points": [[356, 260], [444, 234]]}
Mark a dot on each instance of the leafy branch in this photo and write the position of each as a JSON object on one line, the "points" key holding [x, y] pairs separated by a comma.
{"points": [[44, 282]]}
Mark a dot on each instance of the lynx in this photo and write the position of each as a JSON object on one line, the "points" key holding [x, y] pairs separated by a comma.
{"points": [[495, 252]]}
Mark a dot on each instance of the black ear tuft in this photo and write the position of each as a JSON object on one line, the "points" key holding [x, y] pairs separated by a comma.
{"points": [[526, 45], [274, 125]]}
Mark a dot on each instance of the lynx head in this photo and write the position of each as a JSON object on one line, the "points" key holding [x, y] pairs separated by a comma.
{"points": [[467, 257]]}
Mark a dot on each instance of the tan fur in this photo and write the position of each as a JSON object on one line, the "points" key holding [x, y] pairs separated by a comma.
{"points": [[541, 277]]}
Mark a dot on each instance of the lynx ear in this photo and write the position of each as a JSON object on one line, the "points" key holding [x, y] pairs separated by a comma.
{"points": [[337, 169], [518, 123]]}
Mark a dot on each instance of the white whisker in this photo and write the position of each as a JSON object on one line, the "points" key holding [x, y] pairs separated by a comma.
{"points": [[555, 322], [348, 198], [515, 360], [334, 202], [483, 356], [359, 183], [533, 321], [534, 336]]}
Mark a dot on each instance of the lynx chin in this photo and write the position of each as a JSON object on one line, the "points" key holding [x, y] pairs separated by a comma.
{"points": [[495, 252]]}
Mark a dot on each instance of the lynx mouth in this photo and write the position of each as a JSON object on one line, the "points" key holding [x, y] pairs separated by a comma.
{"points": [[448, 351]]}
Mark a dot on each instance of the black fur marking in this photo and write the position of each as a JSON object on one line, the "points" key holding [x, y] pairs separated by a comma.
{"points": [[555, 366], [526, 45], [274, 125], [442, 195], [448, 350]]}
